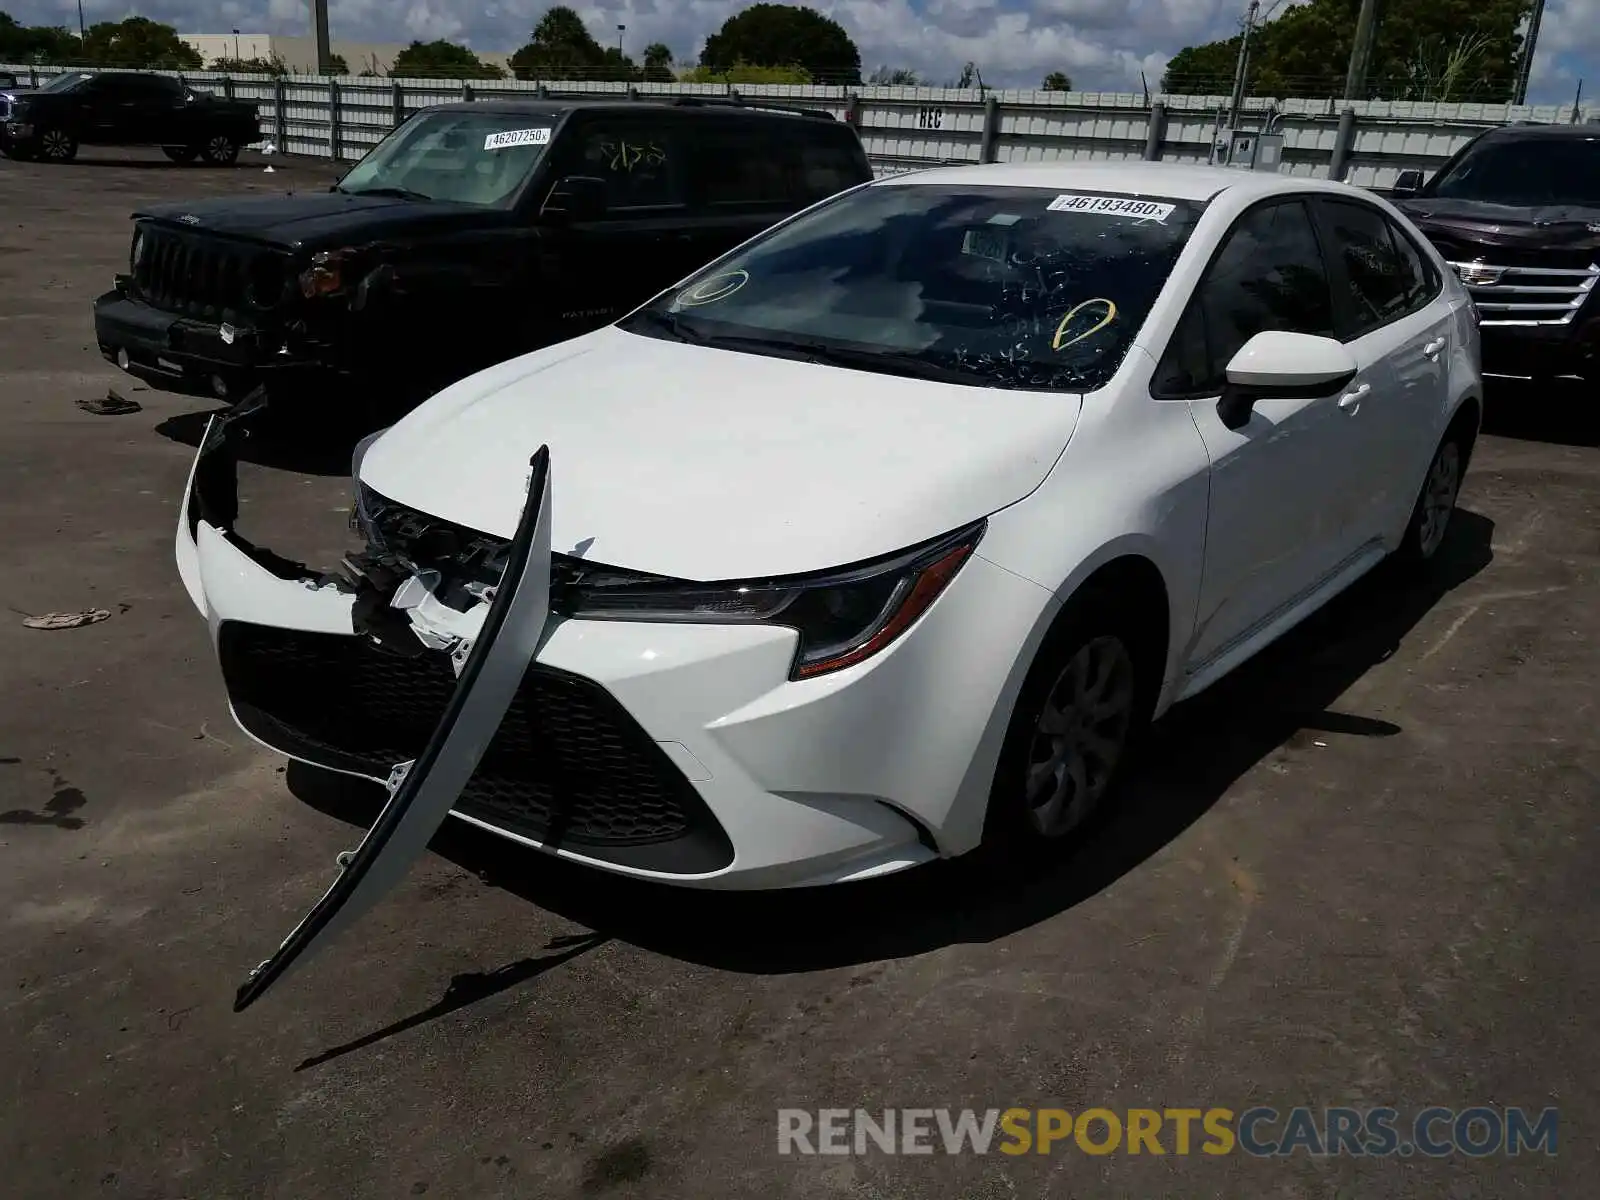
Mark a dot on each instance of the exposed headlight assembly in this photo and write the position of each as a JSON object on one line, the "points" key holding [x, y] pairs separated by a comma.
{"points": [[843, 617]]}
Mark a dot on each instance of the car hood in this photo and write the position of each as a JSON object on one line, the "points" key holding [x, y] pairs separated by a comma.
{"points": [[709, 464], [1567, 226], [305, 220]]}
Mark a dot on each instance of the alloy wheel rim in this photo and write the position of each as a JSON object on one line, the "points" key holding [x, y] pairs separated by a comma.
{"points": [[220, 146], [1439, 497], [1079, 737], [55, 144]]}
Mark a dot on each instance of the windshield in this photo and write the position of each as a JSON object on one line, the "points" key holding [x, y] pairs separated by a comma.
{"points": [[988, 286], [479, 158], [1526, 173], [64, 83]]}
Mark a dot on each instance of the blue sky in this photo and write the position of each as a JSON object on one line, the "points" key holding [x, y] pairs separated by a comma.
{"points": [[1099, 43]]}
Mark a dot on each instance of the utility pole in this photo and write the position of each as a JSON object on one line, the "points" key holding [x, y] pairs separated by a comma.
{"points": [[1525, 68], [1242, 69], [83, 32], [1355, 79], [319, 17]]}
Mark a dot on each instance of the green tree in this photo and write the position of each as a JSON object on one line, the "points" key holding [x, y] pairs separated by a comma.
{"points": [[658, 63], [337, 65], [1056, 81], [138, 42], [36, 43], [781, 35], [747, 73], [271, 65], [893, 77], [563, 48], [442, 60], [1424, 50]]}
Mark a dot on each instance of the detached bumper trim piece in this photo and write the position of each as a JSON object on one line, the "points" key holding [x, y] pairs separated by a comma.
{"points": [[423, 791]]}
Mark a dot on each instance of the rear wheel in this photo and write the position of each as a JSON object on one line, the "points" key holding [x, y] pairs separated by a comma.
{"points": [[1436, 502], [57, 146], [1085, 703], [181, 154], [220, 150]]}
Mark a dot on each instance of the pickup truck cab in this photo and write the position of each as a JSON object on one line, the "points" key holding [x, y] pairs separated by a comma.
{"points": [[124, 108], [1516, 213], [473, 233]]}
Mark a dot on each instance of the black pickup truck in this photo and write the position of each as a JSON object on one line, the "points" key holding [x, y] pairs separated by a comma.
{"points": [[116, 108], [1516, 212], [473, 233]]}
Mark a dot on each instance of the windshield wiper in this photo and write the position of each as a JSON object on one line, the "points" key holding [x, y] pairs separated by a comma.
{"points": [[398, 193], [668, 322], [884, 362]]}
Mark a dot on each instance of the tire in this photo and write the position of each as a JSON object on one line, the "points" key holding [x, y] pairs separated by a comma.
{"points": [[1082, 713], [181, 154], [56, 145], [1436, 499], [220, 150]]}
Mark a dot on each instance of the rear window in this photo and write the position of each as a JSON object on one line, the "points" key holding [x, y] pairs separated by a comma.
{"points": [[784, 162]]}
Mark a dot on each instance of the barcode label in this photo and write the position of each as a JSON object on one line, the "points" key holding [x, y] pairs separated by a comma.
{"points": [[517, 137], [1113, 206]]}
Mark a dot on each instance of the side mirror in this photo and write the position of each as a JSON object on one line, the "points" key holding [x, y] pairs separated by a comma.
{"points": [[575, 198], [1408, 183], [1279, 365]]}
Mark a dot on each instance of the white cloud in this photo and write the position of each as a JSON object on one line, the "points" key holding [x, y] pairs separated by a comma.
{"points": [[1102, 44]]}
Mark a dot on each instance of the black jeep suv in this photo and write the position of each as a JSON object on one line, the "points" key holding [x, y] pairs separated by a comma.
{"points": [[1517, 213], [473, 233]]}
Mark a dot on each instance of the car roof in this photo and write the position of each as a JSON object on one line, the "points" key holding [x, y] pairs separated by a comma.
{"points": [[692, 106], [1588, 133], [1172, 181]]}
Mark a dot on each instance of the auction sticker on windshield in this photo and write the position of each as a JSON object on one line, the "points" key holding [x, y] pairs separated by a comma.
{"points": [[1113, 206], [517, 137]]}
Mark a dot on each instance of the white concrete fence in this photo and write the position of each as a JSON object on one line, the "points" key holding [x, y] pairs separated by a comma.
{"points": [[903, 128]]}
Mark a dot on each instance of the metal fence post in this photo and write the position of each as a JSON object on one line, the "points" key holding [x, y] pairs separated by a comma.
{"points": [[227, 86], [989, 145], [1343, 143], [399, 104], [852, 111], [334, 114], [280, 117], [1156, 132], [466, 92], [633, 92]]}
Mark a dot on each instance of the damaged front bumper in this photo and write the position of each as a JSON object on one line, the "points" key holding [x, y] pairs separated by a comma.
{"points": [[564, 735]]}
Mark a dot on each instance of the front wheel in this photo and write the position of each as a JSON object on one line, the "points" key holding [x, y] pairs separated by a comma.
{"points": [[1086, 700], [181, 154], [220, 150], [1436, 502], [57, 146]]}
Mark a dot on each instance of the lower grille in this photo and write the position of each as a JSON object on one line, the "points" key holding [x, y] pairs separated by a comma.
{"points": [[1527, 295], [567, 767]]}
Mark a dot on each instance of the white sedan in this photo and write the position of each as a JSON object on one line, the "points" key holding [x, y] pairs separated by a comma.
{"points": [[880, 537]]}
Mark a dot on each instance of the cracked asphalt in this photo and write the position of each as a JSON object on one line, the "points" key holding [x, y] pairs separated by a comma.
{"points": [[1362, 872]]}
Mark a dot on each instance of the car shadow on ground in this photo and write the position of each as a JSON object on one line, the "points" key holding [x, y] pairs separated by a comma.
{"points": [[302, 445], [1560, 412], [1289, 691]]}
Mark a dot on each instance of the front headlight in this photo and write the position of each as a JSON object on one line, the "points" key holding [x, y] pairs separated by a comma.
{"points": [[843, 617]]}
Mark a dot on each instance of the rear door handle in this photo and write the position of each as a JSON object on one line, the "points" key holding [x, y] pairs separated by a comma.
{"points": [[1431, 350], [1351, 401]]}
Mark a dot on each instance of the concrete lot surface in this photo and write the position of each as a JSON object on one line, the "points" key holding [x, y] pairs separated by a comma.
{"points": [[1363, 872]]}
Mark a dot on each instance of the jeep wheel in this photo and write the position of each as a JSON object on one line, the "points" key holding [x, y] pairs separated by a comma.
{"points": [[220, 150], [57, 146], [181, 154]]}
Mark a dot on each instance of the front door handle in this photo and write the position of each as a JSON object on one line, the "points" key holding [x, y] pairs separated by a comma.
{"points": [[1351, 401], [1431, 350]]}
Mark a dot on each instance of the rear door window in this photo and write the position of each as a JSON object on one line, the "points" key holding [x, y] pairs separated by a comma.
{"points": [[742, 164], [1384, 275]]}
